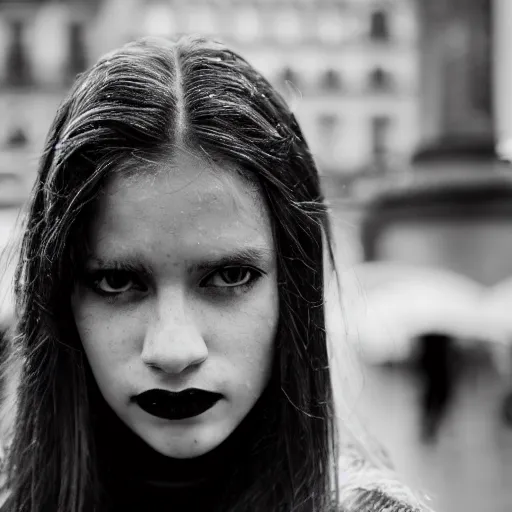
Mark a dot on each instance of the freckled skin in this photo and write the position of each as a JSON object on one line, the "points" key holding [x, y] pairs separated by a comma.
{"points": [[178, 334]]}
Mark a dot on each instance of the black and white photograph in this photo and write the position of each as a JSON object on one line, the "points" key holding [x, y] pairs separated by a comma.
{"points": [[255, 255]]}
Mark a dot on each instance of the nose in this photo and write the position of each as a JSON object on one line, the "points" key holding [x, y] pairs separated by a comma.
{"points": [[174, 341]]}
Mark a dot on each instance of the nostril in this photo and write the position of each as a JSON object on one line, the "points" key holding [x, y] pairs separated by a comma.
{"points": [[174, 360]]}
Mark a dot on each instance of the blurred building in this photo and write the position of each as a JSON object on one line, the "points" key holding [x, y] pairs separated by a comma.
{"points": [[454, 208], [43, 46], [348, 68]]}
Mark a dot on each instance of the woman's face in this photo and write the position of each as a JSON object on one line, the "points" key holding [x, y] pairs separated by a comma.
{"points": [[178, 308]]}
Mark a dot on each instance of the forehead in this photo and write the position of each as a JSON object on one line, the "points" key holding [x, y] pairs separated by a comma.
{"points": [[181, 201]]}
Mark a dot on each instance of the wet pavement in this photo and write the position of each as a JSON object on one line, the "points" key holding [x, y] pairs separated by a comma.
{"points": [[469, 468]]}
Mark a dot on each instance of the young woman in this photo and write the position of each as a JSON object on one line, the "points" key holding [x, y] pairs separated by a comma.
{"points": [[170, 301]]}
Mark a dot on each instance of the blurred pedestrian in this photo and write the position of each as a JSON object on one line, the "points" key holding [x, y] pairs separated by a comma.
{"points": [[436, 365], [170, 299]]}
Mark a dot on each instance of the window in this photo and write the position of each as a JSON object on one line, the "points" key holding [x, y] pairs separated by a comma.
{"points": [[247, 23], [328, 139], [331, 80], [330, 28], [287, 25], [338, 25], [77, 60], [380, 135], [18, 69], [327, 124], [380, 80], [379, 26], [16, 139], [11, 194], [289, 75]]}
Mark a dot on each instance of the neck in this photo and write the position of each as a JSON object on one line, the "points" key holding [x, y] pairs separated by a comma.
{"points": [[129, 457], [125, 459]]}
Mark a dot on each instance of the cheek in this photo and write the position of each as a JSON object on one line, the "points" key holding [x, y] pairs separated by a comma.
{"points": [[246, 336], [106, 337]]}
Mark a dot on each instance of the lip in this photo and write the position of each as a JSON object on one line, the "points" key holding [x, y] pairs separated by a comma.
{"points": [[180, 405]]}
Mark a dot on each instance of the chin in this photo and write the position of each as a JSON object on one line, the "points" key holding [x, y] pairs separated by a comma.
{"points": [[188, 442], [186, 452]]}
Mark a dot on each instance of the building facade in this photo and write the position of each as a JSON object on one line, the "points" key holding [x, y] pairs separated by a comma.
{"points": [[348, 69], [42, 48]]}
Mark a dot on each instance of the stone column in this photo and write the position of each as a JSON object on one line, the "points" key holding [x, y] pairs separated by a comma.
{"points": [[456, 79], [502, 74], [454, 209]]}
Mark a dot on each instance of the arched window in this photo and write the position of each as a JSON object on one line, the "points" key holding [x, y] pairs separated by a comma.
{"points": [[330, 24], [287, 25], [380, 80], [77, 60], [16, 138], [18, 69], [379, 26], [331, 80], [380, 127], [289, 75], [327, 124], [247, 26], [328, 136]]}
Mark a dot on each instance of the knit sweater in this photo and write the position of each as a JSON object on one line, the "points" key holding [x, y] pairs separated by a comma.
{"points": [[366, 488]]}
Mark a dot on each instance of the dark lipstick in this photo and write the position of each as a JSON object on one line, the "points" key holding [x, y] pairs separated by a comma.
{"points": [[171, 405]]}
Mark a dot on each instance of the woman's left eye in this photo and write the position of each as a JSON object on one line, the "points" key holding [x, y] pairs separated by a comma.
{"points": [[231, 277]]}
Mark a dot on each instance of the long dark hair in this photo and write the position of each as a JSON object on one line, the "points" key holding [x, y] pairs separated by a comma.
{"points": [[143, 101]]}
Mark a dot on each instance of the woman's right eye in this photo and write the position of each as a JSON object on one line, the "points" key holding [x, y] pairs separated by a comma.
{"points": [[115, 282]]}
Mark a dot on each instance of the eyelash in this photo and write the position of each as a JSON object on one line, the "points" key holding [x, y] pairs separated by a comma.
{"points": [[95, 277]]}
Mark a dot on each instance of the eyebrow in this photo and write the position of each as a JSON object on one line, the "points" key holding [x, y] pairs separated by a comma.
{"points": [[245, 256], [127, 264]]}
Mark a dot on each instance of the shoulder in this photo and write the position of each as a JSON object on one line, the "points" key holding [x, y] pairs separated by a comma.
{"points": [[376, 500], [365, 487], [4, 493]]}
